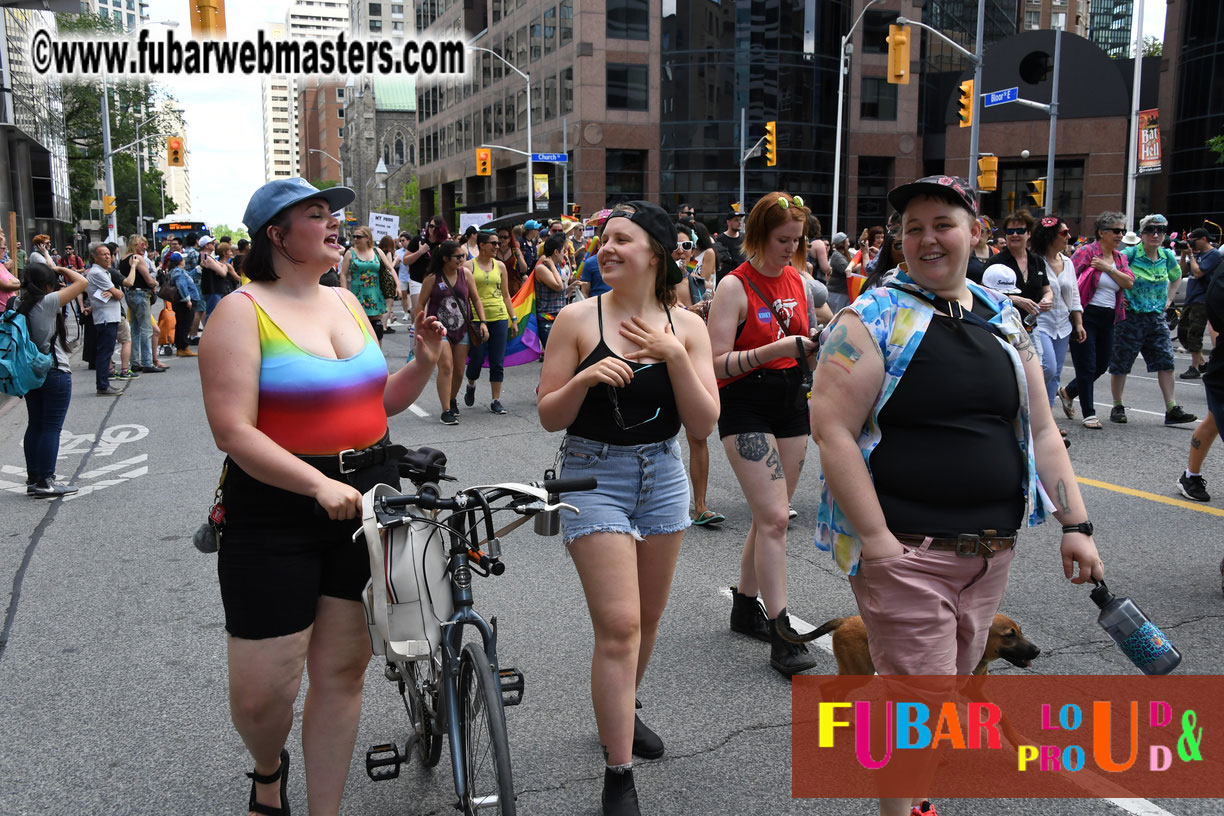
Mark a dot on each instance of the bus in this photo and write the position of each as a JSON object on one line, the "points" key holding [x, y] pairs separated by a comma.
{"points": [[176, 226]]}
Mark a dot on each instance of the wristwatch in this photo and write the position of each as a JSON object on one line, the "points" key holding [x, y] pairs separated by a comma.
{"points": [[1084, 527]]}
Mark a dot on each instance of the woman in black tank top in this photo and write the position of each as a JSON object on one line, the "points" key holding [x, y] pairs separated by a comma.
{"points": [[622, 373]]}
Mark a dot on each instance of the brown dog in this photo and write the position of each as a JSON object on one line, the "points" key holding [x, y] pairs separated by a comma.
{"points": [[1005, 642]]}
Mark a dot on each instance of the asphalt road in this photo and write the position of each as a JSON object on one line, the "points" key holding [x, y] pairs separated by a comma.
{"points": [[112, 662]]}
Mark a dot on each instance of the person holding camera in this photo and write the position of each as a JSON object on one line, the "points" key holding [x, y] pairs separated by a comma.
{"points": [[761, 339], [1199, 260]]}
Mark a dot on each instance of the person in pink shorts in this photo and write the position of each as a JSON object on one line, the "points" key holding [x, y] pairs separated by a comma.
{"points": [[930, 410]]}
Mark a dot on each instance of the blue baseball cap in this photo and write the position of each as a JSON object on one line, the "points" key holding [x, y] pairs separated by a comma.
{"points": [[275, 196], [531, 224], [174, 259]]}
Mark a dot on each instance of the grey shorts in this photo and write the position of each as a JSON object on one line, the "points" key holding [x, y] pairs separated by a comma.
{"points": [[643, 489], [1141, 332]]}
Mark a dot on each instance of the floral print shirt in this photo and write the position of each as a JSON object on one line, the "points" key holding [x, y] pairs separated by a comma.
{"points": [[899, 320]]}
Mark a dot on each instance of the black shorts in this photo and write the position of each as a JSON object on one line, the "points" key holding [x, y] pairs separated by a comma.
{"points": [[764, 401], [1191, 326], [280, 553]]}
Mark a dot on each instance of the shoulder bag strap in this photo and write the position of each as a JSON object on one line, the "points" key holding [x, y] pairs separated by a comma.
{"points": [[767, 302]]}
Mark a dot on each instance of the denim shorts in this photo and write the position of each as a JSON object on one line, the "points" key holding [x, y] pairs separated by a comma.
{"points": [[643, 489]]}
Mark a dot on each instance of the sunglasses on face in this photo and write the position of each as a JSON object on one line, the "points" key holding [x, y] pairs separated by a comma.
{"points": [[1016, 230], [1153, 230], [1066, 233], [685, 245], [459, 257], [1115, 230]]}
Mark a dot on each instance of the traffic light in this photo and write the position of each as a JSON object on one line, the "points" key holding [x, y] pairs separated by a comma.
{"points": [[771, 144], [176, 151], [108, 205], [207, 18], [988, 174], [967, 100], [484, 161], [576, 210], [1038, 193], [898, 54]]}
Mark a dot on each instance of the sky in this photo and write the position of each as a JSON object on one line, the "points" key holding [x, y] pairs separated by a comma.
{"points": [[224, 119]]}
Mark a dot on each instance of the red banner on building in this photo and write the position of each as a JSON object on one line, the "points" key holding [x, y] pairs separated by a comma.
{"points": [[1023, 737], [1149, 141]]}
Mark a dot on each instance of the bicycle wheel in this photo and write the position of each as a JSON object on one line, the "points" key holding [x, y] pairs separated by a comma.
{"points": [[482, 727], [421, 703]]}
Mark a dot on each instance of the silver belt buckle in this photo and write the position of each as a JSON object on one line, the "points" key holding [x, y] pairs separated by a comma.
{"points": [[340, 459], [970, 544]]}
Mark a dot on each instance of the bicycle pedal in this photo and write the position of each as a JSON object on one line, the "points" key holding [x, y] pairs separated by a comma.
{"points": [[512, 685], [383, 762]]}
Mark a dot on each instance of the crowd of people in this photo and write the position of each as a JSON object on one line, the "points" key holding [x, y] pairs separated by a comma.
{"points": [[926, 337]]}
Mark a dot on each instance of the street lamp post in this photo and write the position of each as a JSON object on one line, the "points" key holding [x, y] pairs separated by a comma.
{"points": [[843, 67], [333, 158], [527, 79]]}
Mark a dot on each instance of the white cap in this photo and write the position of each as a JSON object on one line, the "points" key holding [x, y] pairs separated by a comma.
{"points": [[1001, 278], [205, 240]]}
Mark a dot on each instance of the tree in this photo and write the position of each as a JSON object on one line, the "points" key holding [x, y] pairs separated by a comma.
{"points": [[219, 231], [324, 184], [1216, 145], [132, 104], [407, 207], [1153, 46]]}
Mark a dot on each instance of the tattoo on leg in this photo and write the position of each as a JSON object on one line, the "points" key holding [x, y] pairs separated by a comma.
{"points": [[774, 461], [1061, 490], [1195, 442], [752, 446]]}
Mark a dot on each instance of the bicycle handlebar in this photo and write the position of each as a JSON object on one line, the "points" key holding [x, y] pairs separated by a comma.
{"points": [[573, 485]]}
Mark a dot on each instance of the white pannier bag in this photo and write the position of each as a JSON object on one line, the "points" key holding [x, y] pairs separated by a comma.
{"points": [[408, 597]]}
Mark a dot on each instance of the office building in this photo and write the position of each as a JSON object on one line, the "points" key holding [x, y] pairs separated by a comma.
{"points": [[1111, 26]]}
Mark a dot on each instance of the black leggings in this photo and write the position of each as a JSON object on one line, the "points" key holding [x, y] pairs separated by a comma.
{"points": [[183, 315], [1091, 357]]}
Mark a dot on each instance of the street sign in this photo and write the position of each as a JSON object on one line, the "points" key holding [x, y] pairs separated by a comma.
{"points": [[555, 158], [1001, 97]]}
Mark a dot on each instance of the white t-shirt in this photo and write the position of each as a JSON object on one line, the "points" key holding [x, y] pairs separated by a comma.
{"points": [[38, 257], [1106, 293]]}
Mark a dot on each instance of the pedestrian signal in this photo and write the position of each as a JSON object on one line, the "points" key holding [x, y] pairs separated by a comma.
{"points": [[988, 173], [898, 54], [108, 205], [771, 144], [1038, 192], [576, 210], [484, 161], [176, 151], [967, 101]]}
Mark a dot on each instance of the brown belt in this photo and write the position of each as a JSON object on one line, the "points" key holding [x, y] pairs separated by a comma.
{"points": [[967, 545]]}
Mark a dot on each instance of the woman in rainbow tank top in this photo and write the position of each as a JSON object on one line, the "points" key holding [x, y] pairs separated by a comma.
{"points": [[297, 394]]}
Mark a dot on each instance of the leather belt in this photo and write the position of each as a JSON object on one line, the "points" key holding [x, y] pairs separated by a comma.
{"points": [[352, 460], [966, 545]]}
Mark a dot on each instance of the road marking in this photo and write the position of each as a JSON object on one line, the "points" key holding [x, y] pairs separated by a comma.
{"points": [[1143, 494], [135, 460], [1139, 807], [418, 411], [1136, 410]]}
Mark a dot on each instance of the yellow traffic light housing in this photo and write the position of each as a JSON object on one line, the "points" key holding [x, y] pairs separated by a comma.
{"points": [[967, 100], [207, 18], [484, 161], [1038, 193], [988, 174], [108, 205], [898, 54], [771, 144], [176, 151]]}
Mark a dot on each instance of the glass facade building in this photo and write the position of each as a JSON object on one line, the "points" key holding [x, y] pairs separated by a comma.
{"points": [[1196, 182], [1110, 24]]}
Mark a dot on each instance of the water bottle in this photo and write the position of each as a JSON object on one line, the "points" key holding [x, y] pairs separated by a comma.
{"points": [[1139, 639]]}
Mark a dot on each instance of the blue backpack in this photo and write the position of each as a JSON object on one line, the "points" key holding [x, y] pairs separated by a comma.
{"points": [[22, 366]]}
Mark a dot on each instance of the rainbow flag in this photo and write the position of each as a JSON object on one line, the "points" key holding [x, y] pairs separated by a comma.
{"points": [[854, 284], [525, 346]]}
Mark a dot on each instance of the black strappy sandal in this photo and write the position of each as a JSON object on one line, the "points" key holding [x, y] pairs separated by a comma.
{"points": [[282, 773]]}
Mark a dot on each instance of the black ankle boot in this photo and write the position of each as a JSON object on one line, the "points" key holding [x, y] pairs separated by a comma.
{"points": [[619, 795], [646, 743], [788, 658], [748, 616]]}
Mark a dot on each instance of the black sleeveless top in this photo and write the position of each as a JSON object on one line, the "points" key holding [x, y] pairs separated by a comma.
{"points": [[958, 394], [646, 406], [125, 267]]}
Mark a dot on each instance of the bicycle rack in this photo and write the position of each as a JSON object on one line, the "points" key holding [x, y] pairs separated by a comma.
{"points": [[512, 685], [383, 761]]}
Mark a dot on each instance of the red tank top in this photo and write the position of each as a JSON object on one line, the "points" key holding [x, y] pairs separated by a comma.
{"points": [[760, 327]]}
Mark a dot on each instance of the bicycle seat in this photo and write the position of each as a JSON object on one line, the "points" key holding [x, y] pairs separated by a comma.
{"points": [[423, 465]]}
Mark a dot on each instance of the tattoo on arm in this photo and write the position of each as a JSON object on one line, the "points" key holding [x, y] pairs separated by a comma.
{"points": [[755, 358], [752, 446], [775, 462], [1061, 490], [727, 365], [839, 351]]}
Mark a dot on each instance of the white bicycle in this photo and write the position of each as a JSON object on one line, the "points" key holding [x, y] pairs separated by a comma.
{"points": [[424, 549]]}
